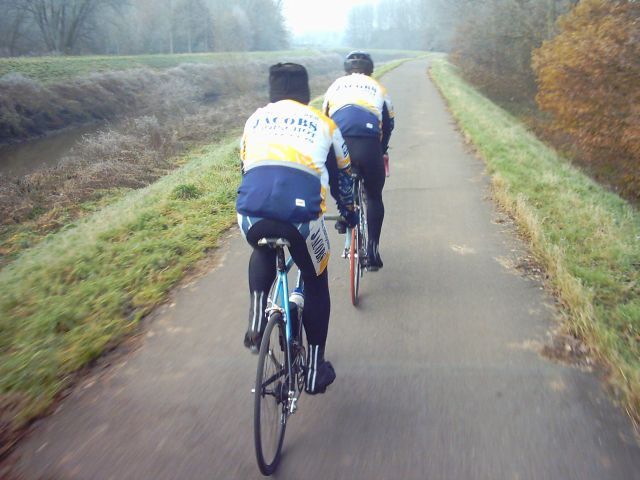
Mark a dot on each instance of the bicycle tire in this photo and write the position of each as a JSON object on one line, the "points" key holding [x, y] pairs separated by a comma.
{"points": [[362, 226], [274, 400], [354, 266]]}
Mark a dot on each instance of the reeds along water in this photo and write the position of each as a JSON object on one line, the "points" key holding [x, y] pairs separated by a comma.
{"points": [[154, 115]]}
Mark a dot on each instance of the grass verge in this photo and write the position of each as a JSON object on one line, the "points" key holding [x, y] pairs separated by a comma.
{"points": [[75, 294], [586, 237]]}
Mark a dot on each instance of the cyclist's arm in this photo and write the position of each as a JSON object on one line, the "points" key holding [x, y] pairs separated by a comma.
{"points": [[332, 168], [326, 102], [388, 123], [243, 141], [339, 168], [243, 152]]}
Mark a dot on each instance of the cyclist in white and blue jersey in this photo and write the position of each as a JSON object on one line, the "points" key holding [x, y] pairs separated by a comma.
{"points": [[363, 111], [291, 155]]}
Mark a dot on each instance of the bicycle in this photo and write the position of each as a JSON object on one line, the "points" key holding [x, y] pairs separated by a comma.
{"points": [[355, 246], [281, 365], [359, 237]]}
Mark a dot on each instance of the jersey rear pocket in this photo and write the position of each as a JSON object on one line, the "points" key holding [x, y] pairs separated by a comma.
{"points": [[280, 193]]}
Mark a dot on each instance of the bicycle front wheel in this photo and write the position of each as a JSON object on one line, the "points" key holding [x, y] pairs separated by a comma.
{"points": [[354, 265], [363, 227], [271, 394]]}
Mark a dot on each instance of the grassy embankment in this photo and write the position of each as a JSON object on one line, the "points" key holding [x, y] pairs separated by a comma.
{"points": [[586, 237], [54, 69], [81, 290], [76, 293]]}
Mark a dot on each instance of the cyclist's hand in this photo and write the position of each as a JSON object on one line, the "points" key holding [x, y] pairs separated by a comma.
{"points": [[351, 218], [341, 226]]}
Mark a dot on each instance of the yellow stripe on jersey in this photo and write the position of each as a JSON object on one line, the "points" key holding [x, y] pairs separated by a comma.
{"points": [[285, 153], [368, 106], [325, 262], [323, 203]]}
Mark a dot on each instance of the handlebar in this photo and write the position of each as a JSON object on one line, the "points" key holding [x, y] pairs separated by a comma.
{"points": [[334, 218]]}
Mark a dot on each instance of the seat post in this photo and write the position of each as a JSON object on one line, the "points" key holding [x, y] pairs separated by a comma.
{"points": [[280, 261]]}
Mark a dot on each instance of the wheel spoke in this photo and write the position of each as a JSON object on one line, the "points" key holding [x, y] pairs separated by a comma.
{"points": [[273, 378], [274, 359]]}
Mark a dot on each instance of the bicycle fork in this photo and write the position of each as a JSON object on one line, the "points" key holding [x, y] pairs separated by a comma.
{"points": [[347, 243]]}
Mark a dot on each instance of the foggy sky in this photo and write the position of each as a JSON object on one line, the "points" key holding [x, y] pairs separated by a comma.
{"points": [[305, 16]]}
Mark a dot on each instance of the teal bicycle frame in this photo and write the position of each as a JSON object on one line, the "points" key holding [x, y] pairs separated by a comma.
{"points": [[284, 382], [280, 302]]}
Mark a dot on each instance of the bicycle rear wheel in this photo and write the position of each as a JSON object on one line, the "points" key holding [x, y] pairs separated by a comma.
{"points": [[354, 265], [271, 393]]}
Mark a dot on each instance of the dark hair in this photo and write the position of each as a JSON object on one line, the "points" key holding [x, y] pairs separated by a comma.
{"points": [[289, 81], [358, 62]]}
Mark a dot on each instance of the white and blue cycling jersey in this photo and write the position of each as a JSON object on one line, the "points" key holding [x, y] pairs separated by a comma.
{"points": [[361, 107]]}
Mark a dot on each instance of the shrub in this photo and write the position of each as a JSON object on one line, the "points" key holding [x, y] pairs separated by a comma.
{"points": [[186, 192], [588, 80]]}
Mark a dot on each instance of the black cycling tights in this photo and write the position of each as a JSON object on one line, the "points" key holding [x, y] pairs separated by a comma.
{"points": [[262, 273], [366, 156]]}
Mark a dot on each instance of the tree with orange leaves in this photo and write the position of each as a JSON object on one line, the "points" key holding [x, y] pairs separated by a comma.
{"points": [[589, 80]]}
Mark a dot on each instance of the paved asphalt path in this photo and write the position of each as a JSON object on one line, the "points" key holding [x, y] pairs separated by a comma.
{"points": [[438, 373]]}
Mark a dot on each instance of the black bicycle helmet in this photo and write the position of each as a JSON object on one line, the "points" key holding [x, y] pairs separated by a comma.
{"points": [[358, 62]]}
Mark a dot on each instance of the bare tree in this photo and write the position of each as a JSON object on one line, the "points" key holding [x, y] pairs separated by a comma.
{"points": [[12, 23], [140, 26], [360, 25], [63, 22], [192, 25]]}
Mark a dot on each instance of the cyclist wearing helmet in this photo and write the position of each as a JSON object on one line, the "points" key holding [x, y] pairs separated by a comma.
{"points": [[364, 113], [290, 154]]}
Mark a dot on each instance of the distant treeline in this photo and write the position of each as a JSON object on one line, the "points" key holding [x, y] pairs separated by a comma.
{"points": [[403, 24], [568, 67], [33, 27]]}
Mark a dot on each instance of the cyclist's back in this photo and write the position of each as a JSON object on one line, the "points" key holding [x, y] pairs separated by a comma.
{"points": [[358, 103]]}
